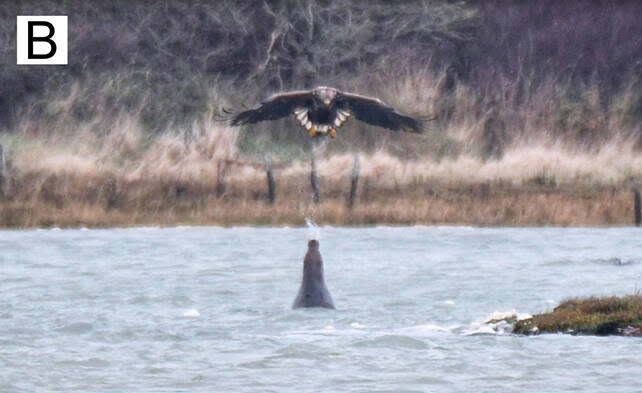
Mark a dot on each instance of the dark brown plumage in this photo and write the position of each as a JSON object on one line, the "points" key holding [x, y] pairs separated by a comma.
{"points": [[324, 109]]}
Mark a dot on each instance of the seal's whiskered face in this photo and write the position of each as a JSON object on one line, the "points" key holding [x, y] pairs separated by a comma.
{"points": [[326, 94]]}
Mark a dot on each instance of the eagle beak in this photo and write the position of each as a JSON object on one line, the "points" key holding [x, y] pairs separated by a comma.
{"points": [[313, 132], [327, 102], [333, 132]]}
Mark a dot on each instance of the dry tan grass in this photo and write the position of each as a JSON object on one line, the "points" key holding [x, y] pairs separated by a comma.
{"points": [[120, 178], [508, 207], [107, 170], [42, 198]]}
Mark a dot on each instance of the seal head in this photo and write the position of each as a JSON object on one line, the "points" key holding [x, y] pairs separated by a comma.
{"points": [[313, 291]]}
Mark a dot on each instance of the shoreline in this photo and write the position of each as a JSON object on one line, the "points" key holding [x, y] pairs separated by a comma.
{"points": [[74, 201]]}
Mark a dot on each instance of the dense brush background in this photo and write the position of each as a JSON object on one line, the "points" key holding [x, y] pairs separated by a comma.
{"points": [[543, 92]]}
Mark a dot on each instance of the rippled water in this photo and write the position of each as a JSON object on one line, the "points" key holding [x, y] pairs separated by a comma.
{"points": [[208, 309]]}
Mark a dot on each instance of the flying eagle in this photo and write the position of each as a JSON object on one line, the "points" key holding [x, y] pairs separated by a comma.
{"points": [[324, 109]]}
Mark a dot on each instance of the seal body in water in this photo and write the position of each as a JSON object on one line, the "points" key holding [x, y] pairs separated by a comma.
{"points": [[313, 292]]}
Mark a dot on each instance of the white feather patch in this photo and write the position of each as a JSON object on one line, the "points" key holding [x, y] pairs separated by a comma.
{"points": [[308, 125], [302, 115]]}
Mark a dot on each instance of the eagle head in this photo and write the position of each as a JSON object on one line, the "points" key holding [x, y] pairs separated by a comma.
{"points": [[325, 94]]}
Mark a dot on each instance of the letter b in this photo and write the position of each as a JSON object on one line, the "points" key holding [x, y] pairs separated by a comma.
{"points": [[31, 38]]}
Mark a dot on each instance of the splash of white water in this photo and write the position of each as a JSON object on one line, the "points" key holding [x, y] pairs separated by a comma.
{"points": [[314, 231]]}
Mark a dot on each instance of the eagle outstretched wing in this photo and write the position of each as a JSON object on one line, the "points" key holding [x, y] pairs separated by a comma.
{"points": [[375, 112], [275, 107]]}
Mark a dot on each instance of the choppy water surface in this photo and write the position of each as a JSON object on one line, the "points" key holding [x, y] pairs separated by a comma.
{"points": [[208, 309]]}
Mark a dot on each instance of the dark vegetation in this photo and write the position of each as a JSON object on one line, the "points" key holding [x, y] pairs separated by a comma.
{"points": [[594, 315], [160, 60], [538, 108]]}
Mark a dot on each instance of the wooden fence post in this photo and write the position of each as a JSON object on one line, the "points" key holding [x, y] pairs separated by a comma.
{"points": [[314, 180], [354, 182], [220, 179], [270, 180], [637, 208], [3, 171], [3, 162]]}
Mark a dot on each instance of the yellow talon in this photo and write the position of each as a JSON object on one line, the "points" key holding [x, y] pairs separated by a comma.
{"points": [[333, 132], [313, 132]]}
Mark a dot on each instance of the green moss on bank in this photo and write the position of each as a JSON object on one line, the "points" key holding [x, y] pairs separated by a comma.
{"points": [[595, 315]]}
